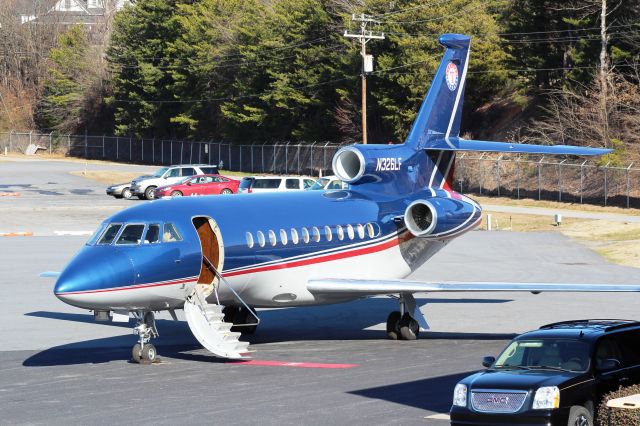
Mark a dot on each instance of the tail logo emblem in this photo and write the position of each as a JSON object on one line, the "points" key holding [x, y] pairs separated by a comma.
{"points": [[451, 76]]}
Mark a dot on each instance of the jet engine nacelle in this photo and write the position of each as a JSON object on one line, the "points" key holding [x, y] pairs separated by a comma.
{"points": [[441, 217], [357, 164]]}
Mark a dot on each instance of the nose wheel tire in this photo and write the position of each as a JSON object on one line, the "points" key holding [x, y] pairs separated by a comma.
{"points": [[149, 353], [393, 325], [136, 353]]}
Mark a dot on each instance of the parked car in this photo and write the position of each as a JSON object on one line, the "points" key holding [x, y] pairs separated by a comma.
{"points": [[120, 190], [555, 375], [329, 182], [199, 185], [252, 184], [145, 186]]}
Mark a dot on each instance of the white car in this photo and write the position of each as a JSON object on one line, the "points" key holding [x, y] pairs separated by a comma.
{"points": [[144, 186], [329, 182], [252, 184]]}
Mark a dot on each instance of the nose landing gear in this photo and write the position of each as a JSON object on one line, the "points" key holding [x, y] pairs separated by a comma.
{"points": [[144, 352]]}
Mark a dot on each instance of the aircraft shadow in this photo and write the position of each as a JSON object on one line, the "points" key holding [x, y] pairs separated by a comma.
{"points": [[432, 394], [346, 321]]}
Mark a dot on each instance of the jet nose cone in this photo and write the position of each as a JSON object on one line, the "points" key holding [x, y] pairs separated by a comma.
{"points": [[92, 272]]}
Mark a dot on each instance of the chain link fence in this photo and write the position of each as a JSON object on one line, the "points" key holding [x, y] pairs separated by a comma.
{"points": [[536, 177], [283, 158]]}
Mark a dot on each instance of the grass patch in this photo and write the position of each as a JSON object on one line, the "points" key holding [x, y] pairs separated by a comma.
{"points": [[527, 202]]}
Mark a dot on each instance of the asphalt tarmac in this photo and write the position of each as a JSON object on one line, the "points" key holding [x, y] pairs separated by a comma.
{"points": [[316, 365]]}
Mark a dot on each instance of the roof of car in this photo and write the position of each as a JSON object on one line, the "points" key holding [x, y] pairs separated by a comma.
{"points": [[191, 165], [586, 327]]}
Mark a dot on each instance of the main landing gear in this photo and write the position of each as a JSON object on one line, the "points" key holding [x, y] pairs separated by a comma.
{"points": [[401, 325], [244, 321], [144, 352]]}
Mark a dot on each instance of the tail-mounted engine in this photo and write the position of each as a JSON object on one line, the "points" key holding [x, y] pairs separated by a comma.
{"points": [[358, 164], [441, 217]]}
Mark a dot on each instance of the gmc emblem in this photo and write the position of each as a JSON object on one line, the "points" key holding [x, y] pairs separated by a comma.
{"points": [[498, 399]]}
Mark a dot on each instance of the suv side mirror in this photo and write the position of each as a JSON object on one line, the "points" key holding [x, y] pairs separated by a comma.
{"points": [[487, 361], [608, 364]]}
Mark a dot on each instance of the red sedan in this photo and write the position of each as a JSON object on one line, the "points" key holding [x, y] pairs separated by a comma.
{"points": [[199, 185]]}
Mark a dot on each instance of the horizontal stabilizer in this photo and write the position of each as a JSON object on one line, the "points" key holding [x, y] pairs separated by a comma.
{"points": [[459, 144], [362, 288]]}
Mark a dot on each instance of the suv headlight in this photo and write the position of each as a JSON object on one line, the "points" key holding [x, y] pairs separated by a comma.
{"points": [[547, 397], [460, 395]]}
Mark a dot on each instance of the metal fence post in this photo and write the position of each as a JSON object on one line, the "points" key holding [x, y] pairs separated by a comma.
{"points": [[518, 176], [103, 145], [142, 148], [153, 150], [498, 173], [540, 179], [240, 156], [311, 159], [286, 158], [11, 141], [85, 143], [117, 146], [461, 171], [50, 142], [582, 180], [560, 180], [628, 183], [130, 149], [229, 166], [275, 150], [252, 169], [263, 156], [68, 144], [298, 158], [181, 150], [606, 169]]}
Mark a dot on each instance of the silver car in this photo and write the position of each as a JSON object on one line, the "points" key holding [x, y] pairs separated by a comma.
{"points": [[120, 190]]}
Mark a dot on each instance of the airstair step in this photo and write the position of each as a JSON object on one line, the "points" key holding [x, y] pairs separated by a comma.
{"points": [[232, 336]]}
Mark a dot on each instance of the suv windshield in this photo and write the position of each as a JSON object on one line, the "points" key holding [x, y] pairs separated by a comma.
{"points": [[548, 353], [160, 172]]}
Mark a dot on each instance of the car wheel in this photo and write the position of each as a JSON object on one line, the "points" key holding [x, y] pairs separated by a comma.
{"points": [[580, 416], [226, 191], [149, 193], [126, 193], [176, 194]]}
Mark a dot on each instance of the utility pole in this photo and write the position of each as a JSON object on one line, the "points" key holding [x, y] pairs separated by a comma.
{"points": [[367, 60]]}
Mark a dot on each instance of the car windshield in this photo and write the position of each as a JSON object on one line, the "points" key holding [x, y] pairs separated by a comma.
{"points": [[320, 184], [548, 353], [160, 172]]}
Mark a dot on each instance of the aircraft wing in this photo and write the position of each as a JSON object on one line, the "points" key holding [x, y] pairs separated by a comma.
{"points": [[344, 288]]}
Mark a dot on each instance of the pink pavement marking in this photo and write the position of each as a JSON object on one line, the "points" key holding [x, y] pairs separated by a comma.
{"points": [[264, 363]]}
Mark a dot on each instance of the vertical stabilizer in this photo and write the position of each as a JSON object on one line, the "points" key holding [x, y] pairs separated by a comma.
{"points": [[440, 113]]}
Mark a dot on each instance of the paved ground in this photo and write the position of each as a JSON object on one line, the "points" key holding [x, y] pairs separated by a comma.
{"points": [[59, 367]]}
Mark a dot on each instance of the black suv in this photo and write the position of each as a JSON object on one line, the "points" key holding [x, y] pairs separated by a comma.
{"points": [[552, 376]]}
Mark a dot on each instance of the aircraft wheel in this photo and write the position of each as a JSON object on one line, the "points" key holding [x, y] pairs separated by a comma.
{"points": [[393, 325], [409, 328], [149, 352], [136, 353]]}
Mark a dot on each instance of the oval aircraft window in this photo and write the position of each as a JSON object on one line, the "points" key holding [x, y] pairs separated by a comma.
{"points": [[316, 234], [327, 233], [272, 238], [283, 237], [340, 232], [305, 235], [249, 240], [350, 232], [360, 229], [294, 236], [261, 241], [371, 232]]}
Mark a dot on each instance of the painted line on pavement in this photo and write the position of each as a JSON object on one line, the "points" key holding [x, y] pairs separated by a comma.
{"points": [[73, 233], [439, 416], [264, 363], [16, 234], [9, 194]]}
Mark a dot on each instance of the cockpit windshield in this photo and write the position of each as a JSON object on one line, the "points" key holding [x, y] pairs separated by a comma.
{"points": [[110, 233], [134, 234], [131, 235], [548, 353], [96, 234], [160, 171]]}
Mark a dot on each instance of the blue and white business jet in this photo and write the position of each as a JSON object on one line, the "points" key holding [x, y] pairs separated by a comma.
{"points": [[218, 258]]}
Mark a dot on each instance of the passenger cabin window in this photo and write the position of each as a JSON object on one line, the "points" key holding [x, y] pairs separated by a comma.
{"points": [[292, 184], [272, 238], [261, 241], [360, 229], [153, 234], [350, 232], [316, 234], [170, 233], [340, 232], [327, 233], [283, 237], [371, 231], [110, 233], [305, 235], [249, 239], [131, 235], [294, 236]]}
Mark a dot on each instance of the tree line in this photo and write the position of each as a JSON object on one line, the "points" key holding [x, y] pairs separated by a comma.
{"points": [[276, 70]]}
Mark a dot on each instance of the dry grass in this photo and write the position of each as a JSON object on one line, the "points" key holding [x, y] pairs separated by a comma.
{"points": [[108, 177], [502, 201]]}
